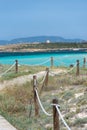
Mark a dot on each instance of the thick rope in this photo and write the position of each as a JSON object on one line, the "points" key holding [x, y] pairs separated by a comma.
{"points": [[35, 59], [62, 117], [41, 82], [41, 104], [38, 64], [60, 62], [7, 70], [63, 73]]}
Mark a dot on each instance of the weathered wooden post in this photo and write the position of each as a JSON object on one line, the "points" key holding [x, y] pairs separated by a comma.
{"points": [[77, 71], [16, 66], [47, 76], [84, 62], [35, 96], [30, 108], [55, 116], [45, 82], [52, 63]]}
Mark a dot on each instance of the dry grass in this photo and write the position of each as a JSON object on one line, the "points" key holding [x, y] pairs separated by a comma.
{"points": [[22, 70], [16, 103]]}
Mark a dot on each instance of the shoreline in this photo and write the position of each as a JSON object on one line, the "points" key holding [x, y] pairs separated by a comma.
{"points": [[45, 50], [43, 47]]}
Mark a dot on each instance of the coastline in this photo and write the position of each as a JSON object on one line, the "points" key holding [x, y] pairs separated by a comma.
{"points": [[43, 47], [45, 50]]}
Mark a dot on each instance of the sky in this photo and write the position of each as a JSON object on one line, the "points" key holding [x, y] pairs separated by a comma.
{"points": [[25, 18]]}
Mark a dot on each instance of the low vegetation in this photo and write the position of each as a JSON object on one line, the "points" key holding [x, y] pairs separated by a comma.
{"points": [[22, 70], [42, 46], [17, 104]]}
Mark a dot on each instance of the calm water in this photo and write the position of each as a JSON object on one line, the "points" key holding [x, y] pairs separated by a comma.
{"points": [[64, 58]]}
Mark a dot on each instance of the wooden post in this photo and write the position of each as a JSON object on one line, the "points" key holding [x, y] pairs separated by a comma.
{"points": [[47, 76], [16, 66], [35, 97], [84, 62], [30, 108], [52, 62], [77, 72], [45, 83], [55, 116]]}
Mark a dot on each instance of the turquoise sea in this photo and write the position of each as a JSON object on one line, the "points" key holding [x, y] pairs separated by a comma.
{"points": [[61, 58]]}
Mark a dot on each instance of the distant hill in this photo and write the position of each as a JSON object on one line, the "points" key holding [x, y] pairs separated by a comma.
{"points": [[40, 39]]}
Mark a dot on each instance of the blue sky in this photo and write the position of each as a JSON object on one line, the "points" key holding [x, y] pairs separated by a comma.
{"points": [[24, 18]]}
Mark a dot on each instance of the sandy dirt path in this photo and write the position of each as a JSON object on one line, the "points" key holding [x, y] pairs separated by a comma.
{"points": [[26, 78], [20, 80]]}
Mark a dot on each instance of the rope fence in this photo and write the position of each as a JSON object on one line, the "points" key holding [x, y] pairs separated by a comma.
{"points": [[7, 70], [39, 64], [64, 122], [56, 111], [52, 60], [63, 73], [46, 113], [44, 82]]}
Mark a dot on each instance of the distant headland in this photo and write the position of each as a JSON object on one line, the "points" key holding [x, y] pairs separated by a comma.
{"points": [[44, 47], [41, 39]]}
